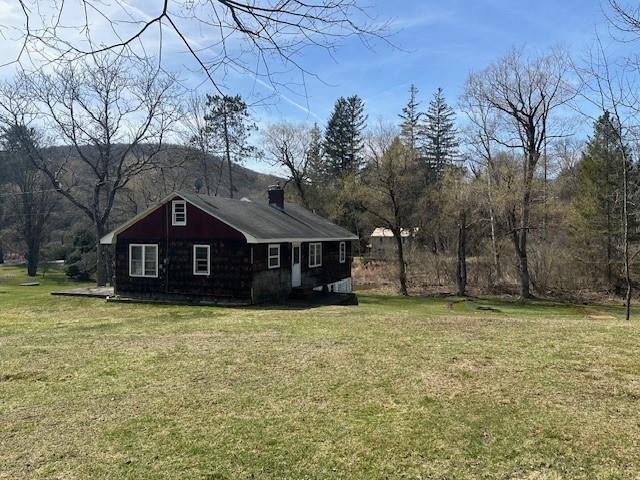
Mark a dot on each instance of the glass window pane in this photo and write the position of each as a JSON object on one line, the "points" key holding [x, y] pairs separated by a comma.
{"points": [[201, 264], [273, 252], [150, 258], [179, 212], [136, 260]]}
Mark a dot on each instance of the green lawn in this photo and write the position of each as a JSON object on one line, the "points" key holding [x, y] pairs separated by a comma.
{"points": [[393, 388]]}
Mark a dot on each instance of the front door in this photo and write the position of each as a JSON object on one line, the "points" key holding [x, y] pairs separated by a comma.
{"points": [[295, 265]]}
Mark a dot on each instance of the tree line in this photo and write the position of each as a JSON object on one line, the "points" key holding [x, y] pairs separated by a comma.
{"points": [[510, 187]]}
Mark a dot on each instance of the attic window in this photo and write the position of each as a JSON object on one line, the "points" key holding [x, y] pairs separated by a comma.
{"points": [[315, 255], [178, 213], [343, 252], [274, 256]]}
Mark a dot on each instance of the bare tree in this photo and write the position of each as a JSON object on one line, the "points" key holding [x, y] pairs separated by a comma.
{"points": [[200, 139], [457, 196], [387, 187], [480, 137], [248, 37], [288, 146], [526, 93], [625, 18], [113, 117], [613, 88]]}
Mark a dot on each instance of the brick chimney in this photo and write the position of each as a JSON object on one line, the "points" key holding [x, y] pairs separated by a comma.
{"points": [[276, 196]]}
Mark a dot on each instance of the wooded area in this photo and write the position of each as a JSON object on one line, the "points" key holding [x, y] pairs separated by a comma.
{"points": [[504, 188]]}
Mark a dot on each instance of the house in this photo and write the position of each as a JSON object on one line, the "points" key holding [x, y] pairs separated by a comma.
{"points": [[382, 244], [196, 247]]}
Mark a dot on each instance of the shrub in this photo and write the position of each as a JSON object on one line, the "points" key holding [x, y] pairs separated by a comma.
{"points": [[81, 262]]}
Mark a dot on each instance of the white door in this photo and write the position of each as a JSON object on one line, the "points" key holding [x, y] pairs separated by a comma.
{"points": [[295, 265]]}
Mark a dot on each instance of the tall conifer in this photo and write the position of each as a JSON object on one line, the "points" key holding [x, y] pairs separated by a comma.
{"points": [[441, 143], [343, 142]]}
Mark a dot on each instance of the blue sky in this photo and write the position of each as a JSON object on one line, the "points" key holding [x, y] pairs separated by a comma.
{"points": [[436, 44]]}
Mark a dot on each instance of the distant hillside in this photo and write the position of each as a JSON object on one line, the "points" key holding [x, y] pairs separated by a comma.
{"points": [[180, 168], [176, 168]]}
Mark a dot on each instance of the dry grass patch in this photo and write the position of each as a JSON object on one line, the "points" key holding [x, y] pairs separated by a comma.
{"points": [[393, 388]]}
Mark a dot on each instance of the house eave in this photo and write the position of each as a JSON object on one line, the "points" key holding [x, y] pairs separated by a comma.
{"points": [[112, 237], [302, 240]]}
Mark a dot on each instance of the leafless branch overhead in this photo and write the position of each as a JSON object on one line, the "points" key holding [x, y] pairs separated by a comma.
{"points": [[250, 36]]}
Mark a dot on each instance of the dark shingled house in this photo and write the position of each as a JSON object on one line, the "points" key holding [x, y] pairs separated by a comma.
{"points": [[201, 248]]}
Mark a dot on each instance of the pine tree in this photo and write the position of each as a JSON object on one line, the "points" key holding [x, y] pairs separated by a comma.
{"points": [[33, 204], [314, 154], [229, 124], [411, 132], [343, 141], [596, 206], [441, 144]]}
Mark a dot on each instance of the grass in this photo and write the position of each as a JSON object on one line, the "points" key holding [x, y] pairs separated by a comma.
{"points": [[394, 388]]}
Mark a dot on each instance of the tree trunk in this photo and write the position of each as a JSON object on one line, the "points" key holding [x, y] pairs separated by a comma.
{"points": [[609, 226], [205, 172], [523, 266], [33, 258], [1, 255], [461, 267], [301, 192], [545, 213], [101, 260], [521, 234], [402, 271], [609, 251], [625, 226], [227, 148], [494, 242]]}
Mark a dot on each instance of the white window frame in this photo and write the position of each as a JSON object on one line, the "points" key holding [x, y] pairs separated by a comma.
{"points": [[269, 256], [317, 247], [342, 248], [144, 247], [174, 221], [208, 272]]}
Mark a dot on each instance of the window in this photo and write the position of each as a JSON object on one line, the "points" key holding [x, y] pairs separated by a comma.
{"points": [[179, 213], [274, 256], [143, 260], [343, 252], [315, 255], [201, 259]]}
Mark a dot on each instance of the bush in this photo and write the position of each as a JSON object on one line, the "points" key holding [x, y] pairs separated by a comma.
{"points": [[81, 262], [57, 251]]}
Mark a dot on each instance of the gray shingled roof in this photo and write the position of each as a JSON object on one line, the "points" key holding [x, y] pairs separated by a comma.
{"points": [[262, 223]]}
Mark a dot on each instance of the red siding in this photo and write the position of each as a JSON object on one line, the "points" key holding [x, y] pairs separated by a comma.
{"points": [[200, 225]]}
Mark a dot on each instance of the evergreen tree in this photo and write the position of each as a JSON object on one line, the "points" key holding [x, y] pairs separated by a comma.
{"points": [[441, 144], [343, 142], [597, 206], [314, 153], [411, 132], [32, 203], [229, 125]]}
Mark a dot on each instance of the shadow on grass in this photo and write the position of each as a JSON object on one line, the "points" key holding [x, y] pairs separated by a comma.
{"points": [[493, 305]]}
